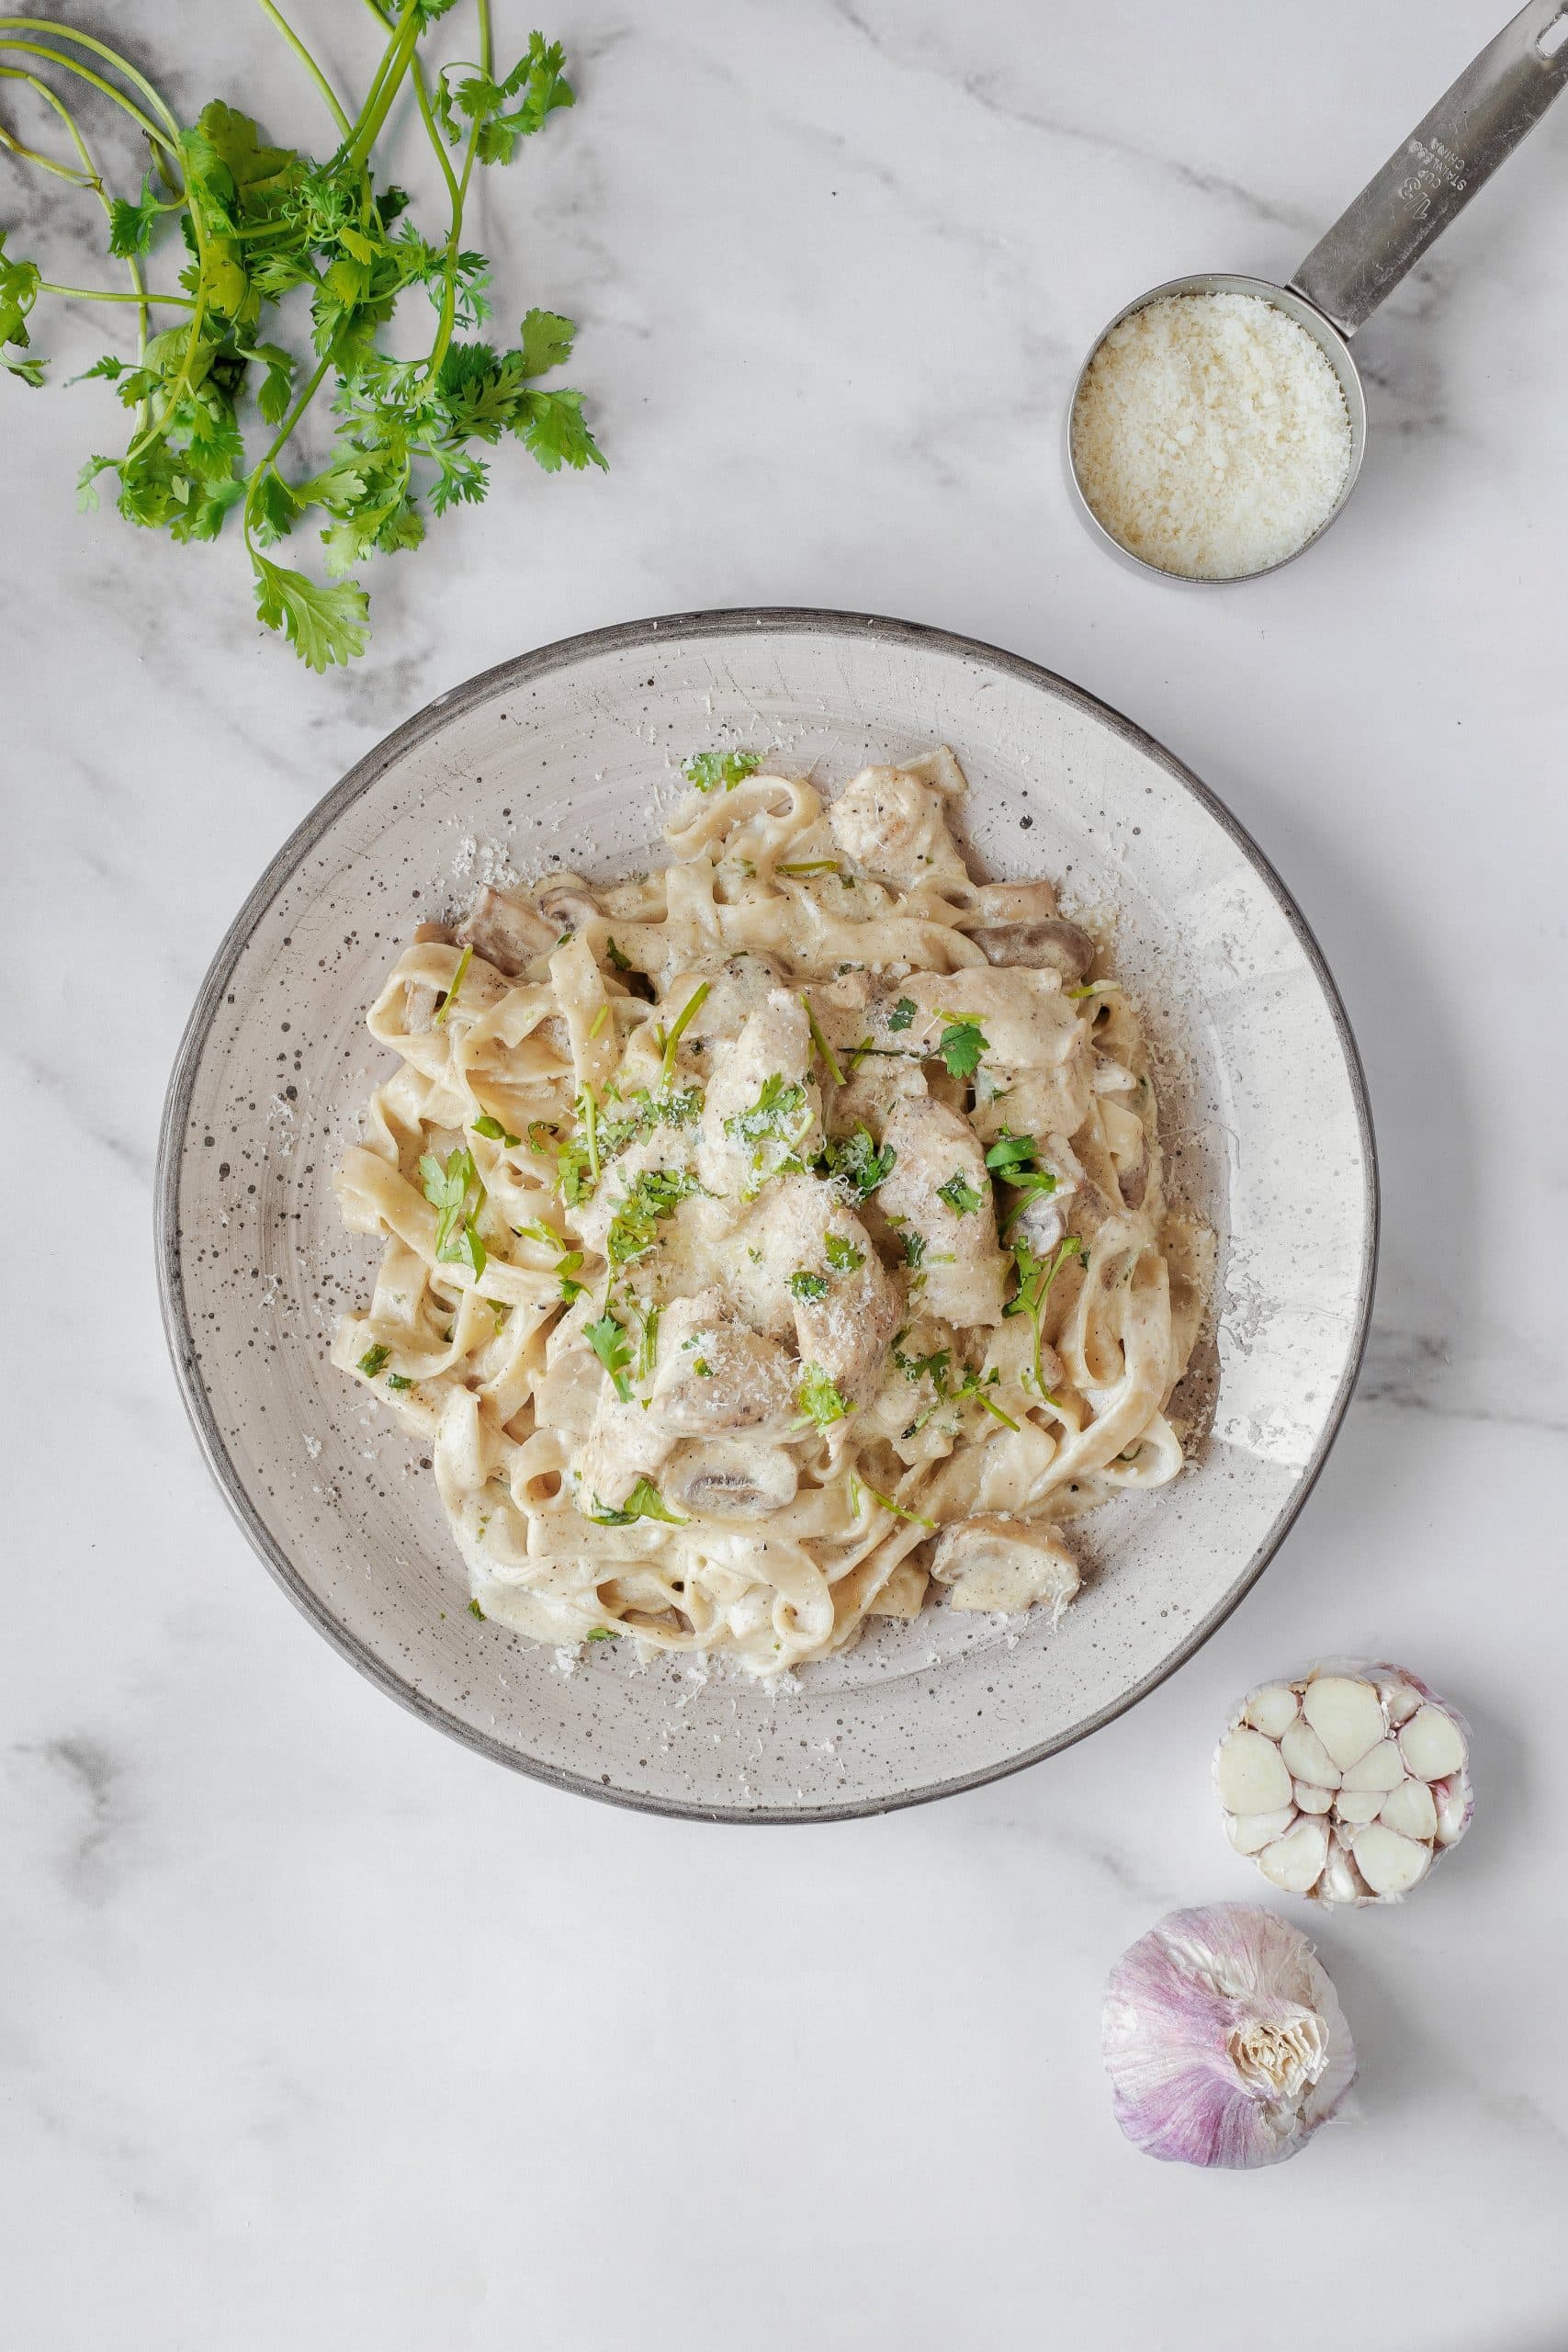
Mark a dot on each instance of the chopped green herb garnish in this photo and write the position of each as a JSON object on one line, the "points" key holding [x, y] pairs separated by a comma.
{"points": [[622, 964], [914, 1247], [395, 1380], [818, 1400], [697, 997], [773, 1117], [804, 1286], [959, 1193], [649, 1350], [903, 1013], [611, 1345], [458, 976], [820, 1041], [606, 1634], [810, 865], [566, 1267], [540, 1135], [897, 1509], [371, 1361], [475, 1610], [934, 1367], [708, 770], [842, 1256], [600, 1018], [457, 1195], [1015, 1160], [493, 1132], [854, 1159], [657, 1193], [645, 1501], [702, 1367], [961, 1044], [1035, 1276]]}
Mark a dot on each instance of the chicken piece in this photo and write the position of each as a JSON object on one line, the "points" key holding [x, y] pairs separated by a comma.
{"points": [[764, 1100], [819, 1275], [736, 989], [717, 1377], [624, 1445], [995, 1562], [507, 932], [939, 1164], [1027, 1019], [892, 826], [1014, 902]]}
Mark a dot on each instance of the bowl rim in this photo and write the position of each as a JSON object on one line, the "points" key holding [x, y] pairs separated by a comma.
{"points": [[506, 676]]}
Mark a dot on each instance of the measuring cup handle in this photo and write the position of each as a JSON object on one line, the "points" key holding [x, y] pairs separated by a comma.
{"points": [[1471, 130]]}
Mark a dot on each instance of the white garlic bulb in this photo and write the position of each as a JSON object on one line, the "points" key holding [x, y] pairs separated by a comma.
{"points": [[1224, 2039], [1346, 1783]]}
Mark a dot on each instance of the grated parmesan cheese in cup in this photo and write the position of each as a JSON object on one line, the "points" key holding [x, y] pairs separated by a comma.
{"points": [[1210, 434]]}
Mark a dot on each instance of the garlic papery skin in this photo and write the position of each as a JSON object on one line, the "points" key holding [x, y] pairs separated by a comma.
{"points": [[1225, 2040], [1376, 1768]]}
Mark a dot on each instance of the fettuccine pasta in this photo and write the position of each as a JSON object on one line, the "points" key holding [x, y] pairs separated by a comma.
{"points": [[774, 1242]]}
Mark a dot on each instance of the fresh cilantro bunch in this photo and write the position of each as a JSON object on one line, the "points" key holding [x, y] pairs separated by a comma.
{"points": [[258, 223]]}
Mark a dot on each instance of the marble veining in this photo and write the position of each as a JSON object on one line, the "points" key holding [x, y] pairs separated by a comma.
{"points": [[321, 2032]]}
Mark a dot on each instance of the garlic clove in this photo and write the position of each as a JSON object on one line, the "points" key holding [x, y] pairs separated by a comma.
{"points": [[1347, 1715], [1295, 1861], [1455, 1804], [1313, 1799], [1308, 1758], [1410, 1809], [1359, 1804], [1381, 1768], [1250, 1774], [1340, 1882], [1391, 1864], [1250, 1832], [1432, 1745], [1399, 1703], [1272, 1709]]}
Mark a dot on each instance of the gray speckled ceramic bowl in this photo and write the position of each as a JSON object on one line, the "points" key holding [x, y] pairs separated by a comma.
{"points": [[570, 755]]}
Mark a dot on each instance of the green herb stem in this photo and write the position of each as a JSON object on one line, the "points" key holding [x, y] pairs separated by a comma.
{"points": [[311, 68]]}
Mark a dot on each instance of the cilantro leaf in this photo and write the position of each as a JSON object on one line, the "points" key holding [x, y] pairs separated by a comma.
{"points": [[493, 1132], [854, 1159], [372, 1360], [18, 291], [708, 770], [634, 1229], [961, 1044], [774, 1117], [805, 1285], [959, 1193], [610, 1344], [131, 225], [819, 1399], [842, 1256], [324, 625], [457, 1195], [546, 341], [606, 1634], [903, 1013], [645, 1501]]}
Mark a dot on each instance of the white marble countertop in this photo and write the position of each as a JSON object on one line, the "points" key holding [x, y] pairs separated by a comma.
{"points": [[322, 2031]]}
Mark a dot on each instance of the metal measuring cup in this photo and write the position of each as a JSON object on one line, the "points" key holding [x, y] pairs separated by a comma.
{"points": [[1349, 272]]}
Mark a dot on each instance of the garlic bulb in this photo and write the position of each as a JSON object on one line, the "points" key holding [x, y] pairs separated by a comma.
{"points": [[1346, 1783], [1224, 2039]]}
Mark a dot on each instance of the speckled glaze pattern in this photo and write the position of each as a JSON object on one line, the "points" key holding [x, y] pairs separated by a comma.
{"points": [[570, 756]]}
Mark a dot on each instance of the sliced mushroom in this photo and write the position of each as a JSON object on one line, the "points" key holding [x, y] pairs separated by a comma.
{"points": [[715, 1375], [568, 904], [506, 931], [727, 1479], [1051, 944], [997, 1562]]}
